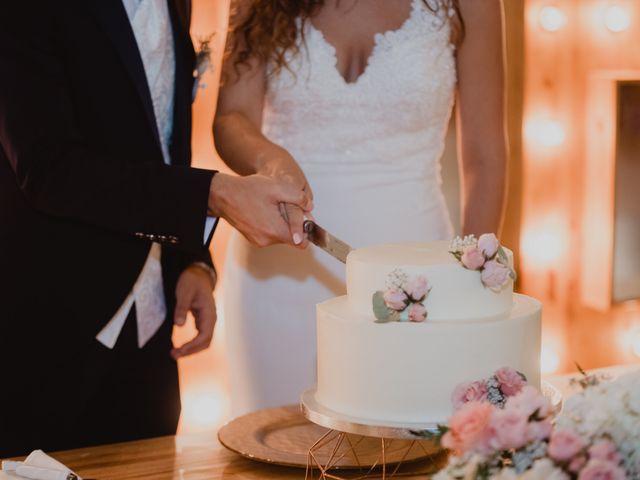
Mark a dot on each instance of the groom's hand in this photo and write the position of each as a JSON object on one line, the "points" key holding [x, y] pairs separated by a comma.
{"points": [[252, 205], [194, 293]]}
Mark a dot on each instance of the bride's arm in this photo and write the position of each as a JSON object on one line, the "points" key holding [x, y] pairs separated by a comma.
{"points": [[237, 127], [482, 138]]}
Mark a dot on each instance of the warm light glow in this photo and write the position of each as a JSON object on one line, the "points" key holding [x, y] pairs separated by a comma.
{"points": [[552, 19], [203, 407], [545, 132], [544, 242], [616, 18], [549, 360], [631, 341]]}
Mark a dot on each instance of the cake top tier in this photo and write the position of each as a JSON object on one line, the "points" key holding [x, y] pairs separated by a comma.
{"points": [[452, 292]]}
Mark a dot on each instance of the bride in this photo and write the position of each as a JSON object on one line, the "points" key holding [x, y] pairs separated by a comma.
{"points": [[351, 100]]}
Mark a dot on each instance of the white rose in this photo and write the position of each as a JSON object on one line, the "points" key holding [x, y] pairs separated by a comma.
{"points": [[544, 469], [505, 474], [633, 401]]}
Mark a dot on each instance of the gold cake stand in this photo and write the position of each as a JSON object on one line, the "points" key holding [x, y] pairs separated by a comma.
{"points": [[421, 454], [416, 436]]}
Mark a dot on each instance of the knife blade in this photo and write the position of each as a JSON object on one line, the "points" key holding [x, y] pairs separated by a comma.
{"points": [[327, 242]]}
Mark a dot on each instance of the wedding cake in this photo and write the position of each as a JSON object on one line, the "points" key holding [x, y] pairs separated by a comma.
{"points": [[418, 320]]}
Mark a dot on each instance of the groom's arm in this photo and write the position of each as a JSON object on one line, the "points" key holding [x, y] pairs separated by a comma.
{"points": [[58, 174]]}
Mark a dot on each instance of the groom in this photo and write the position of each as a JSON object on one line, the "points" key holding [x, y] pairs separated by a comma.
{"points": [[104, 227]]}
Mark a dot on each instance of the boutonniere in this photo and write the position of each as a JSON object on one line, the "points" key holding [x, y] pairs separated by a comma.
{"points": [[203, 62]]}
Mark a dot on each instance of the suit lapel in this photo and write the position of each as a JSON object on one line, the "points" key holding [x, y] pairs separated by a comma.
{"points": [[115, 22], [185, 58]]}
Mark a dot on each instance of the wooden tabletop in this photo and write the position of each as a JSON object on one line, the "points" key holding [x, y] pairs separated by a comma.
{"points": [[194, 457], [201, 457]]}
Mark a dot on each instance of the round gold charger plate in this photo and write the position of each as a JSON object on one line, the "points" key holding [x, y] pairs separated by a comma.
{"points": [[283, 436]]}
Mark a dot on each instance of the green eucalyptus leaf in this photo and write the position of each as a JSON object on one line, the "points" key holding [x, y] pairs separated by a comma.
{"points": [[502, 256], [380, 309]]}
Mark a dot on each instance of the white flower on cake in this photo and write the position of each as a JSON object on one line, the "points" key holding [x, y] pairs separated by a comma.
{"points": [[485, 255], [403, 300]]}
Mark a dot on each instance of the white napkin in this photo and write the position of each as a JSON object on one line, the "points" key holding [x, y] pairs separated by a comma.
{"points": [[39, 466]]}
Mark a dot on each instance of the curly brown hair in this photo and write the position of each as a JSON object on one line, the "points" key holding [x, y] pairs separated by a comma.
{"points": [[267, 30]]}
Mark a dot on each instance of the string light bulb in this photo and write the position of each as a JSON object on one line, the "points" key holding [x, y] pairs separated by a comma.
{"points": [[616, 18], [552, 19], [546, 132], [549, 360], [544, 241]]}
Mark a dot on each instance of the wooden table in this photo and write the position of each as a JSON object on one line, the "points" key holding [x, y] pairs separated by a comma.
{"points": [[199, 457], [193, 457]]}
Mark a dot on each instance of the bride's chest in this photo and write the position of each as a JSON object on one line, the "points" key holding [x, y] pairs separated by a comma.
{"points": [[410, 70]]}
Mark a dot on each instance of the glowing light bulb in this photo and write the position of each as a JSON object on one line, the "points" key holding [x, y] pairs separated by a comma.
{"points": [[544, 241], [545, 132], [549, 360], [616, 18], [635, 344], [552, 19], [204, 407]]}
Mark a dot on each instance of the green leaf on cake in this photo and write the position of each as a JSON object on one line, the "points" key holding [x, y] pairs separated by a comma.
{"points": [[502, 256], [380, 309]]}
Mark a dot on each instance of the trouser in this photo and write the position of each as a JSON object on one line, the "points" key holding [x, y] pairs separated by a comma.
{"points": [[90, 396]]}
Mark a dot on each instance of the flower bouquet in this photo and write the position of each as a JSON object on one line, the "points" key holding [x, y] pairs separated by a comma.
{"points": [[502, 429]]}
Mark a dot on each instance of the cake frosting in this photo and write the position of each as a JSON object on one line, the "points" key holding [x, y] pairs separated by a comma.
{"points": [[404, 372]]}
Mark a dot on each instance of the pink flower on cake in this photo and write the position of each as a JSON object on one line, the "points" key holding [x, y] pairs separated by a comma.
{"points": [[488, 244], [564, 445], [469, 392], [469, 427], [472, 258], [511, 382], [417, 288], [605, 450], [417, 312], [396, 299], [601, 470], [495, 275], [510, 429]]}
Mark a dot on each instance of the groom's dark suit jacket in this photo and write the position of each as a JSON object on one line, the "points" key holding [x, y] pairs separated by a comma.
{"points": [[83, 186]]}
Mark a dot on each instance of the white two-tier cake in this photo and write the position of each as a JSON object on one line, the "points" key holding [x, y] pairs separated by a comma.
{"points": [[415, 323]]}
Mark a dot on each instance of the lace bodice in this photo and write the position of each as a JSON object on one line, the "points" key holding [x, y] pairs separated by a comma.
{"points": [[392, 120]]}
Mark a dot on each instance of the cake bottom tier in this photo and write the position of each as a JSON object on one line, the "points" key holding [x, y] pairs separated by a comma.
{"points": [[405, 373]]}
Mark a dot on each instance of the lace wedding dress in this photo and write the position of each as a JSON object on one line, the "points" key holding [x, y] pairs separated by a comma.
{"points": [[371, 151]]}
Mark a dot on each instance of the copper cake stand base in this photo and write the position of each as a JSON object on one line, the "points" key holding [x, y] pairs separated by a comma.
{"points": [[413, 454]]}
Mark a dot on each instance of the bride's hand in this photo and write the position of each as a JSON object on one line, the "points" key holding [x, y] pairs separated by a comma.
{"points": [[251, 204], [280, 165]]}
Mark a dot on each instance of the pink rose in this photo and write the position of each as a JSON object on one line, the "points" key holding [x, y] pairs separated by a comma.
{"points": [[494, 275], [605, 450], [539, 430], [469, 427], [417, 312], [601, 470], [395, 299], [511, 382], [529, 400], [468, 392], [417, 288], [472, 258], [564, 445], [488, 244], [510, 429], [577, 463]]}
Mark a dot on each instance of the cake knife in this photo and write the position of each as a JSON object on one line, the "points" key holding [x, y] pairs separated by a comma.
{"points": [[327, 242]]}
